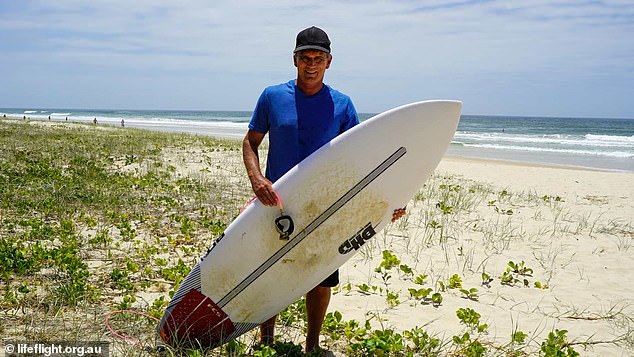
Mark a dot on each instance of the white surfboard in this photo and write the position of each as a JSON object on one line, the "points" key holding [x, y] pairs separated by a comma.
{"points": [[338, 198]]}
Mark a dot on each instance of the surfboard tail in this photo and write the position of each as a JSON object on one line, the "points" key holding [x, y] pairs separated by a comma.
{"points": [[196, 321]]}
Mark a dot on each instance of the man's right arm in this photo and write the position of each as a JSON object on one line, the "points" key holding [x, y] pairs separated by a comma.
{"points": [[262, 187]]}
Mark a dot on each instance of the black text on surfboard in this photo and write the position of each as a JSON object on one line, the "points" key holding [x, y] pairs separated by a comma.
{"points": [[358, 240]]}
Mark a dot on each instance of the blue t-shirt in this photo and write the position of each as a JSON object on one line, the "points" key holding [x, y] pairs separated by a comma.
{"points": [[299, 124]]}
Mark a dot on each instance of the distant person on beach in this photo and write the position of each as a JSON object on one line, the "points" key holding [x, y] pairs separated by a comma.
{"points": [[122, 123], [300, 116], [94, 121]]}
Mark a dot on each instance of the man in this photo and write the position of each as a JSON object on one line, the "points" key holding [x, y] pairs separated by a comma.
{"points": [[300, 116]]}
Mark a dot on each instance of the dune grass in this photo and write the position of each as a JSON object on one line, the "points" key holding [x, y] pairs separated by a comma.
{"points": [[96, 220], [100, 219]]}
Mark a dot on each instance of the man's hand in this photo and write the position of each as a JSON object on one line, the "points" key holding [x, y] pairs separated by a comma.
{"points": [[398, 213], [263, 189]]}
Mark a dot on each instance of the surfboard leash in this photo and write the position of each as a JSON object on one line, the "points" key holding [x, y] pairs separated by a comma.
{"points": [[283, 224], [279, 202], [126, 338]]}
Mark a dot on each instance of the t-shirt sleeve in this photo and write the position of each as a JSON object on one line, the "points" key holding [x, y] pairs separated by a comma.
{"points": [[260, 119], [351, 117]]}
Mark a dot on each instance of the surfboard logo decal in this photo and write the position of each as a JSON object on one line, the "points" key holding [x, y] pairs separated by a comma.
{"points": [[358, 240], [294, 241]]}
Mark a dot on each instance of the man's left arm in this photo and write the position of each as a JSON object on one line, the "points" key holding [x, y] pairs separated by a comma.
{"points": [[351, 117]]}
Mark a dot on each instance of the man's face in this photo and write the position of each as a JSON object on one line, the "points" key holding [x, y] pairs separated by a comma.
{"points": [[311, 66]]}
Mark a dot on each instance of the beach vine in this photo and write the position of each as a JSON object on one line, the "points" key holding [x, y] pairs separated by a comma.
{"points": [[100, 219]]}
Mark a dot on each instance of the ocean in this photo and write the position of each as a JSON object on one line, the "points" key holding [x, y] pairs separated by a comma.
{"points": [[597, 143]]}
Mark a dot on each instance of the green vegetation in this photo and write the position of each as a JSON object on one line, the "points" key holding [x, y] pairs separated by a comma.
{"points": [[94, 220]]}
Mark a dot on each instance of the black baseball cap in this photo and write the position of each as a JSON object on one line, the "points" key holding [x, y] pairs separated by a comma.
{"points": [[312, 38]]}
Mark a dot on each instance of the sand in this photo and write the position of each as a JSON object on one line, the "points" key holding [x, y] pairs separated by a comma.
{"points": [[569, 231], [572, 227]]}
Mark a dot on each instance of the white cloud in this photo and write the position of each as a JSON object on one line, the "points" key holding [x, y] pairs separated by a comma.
{"points": [[383, 50]]}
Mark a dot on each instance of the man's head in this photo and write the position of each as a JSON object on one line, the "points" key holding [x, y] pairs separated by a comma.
{"points": [[311, 57]]}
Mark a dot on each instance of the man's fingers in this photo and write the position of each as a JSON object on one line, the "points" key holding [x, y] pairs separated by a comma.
{"points": [[398, 213], [270, 201], [264, 191], [267, 196]]}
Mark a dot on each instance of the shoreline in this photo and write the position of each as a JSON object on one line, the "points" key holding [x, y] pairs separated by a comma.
{"points": [[548, 159], [511, 162], [236, 131], [540, 177]]}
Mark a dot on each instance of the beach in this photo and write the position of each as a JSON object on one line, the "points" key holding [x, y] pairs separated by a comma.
{"points": [[598, 143], [491, 254], [571, 227]]}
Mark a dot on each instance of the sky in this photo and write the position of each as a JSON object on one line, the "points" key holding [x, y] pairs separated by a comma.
{"points": [[565, 58]]}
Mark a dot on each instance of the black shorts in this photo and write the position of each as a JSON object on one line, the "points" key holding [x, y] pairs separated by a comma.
{"points": [[331, 281]]}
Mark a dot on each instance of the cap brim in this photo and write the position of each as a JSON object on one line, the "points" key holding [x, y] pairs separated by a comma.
{"points": [[311, 47]]}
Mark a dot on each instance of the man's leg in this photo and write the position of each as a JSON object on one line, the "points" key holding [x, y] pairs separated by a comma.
{"points": [[317, 301], [267, 331]]}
